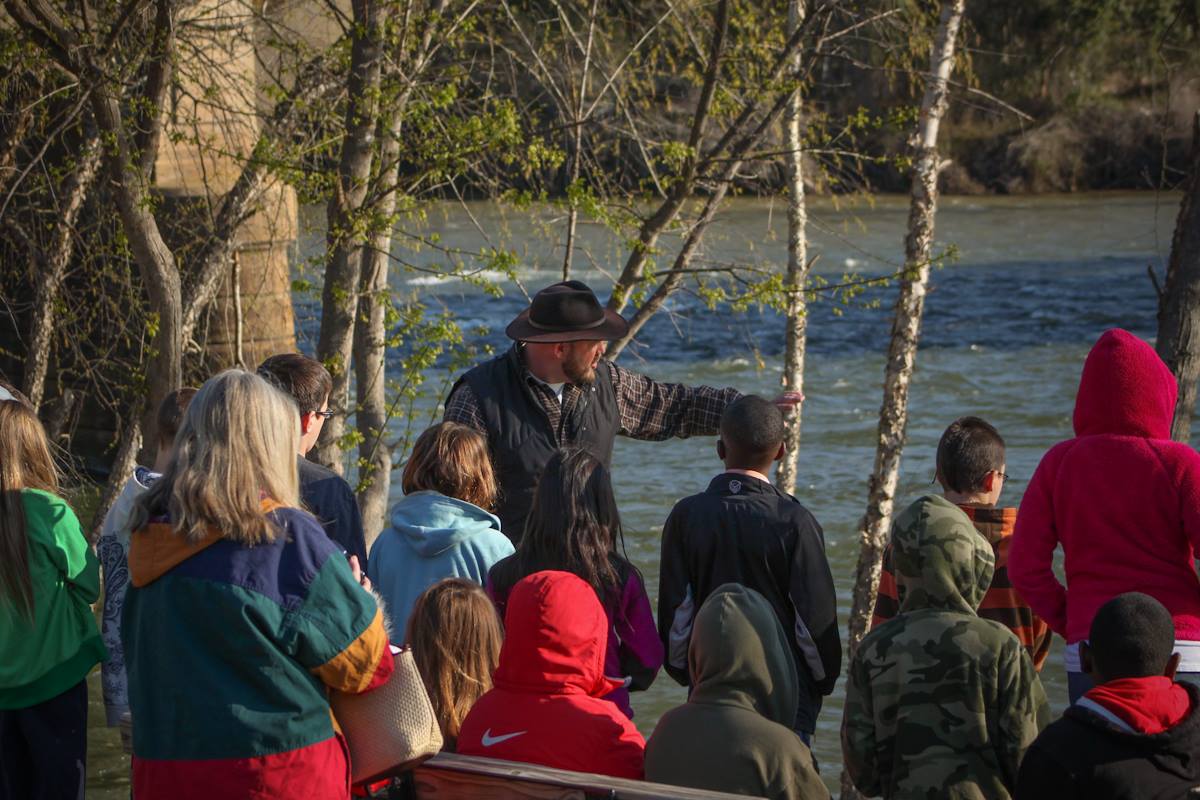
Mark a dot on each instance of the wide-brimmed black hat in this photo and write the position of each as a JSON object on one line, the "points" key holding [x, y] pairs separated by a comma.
{"points": [[566, 312]]}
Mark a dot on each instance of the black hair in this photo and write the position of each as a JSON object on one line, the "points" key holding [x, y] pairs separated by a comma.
{"points": [[752, 429], [968, 450], [1132, 636], [573, 526]]}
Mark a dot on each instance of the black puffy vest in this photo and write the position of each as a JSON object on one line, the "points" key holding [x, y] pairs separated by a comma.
{"points": [[520, 436]]}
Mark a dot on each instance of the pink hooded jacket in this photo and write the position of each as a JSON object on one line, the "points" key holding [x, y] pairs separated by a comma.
{"points": [[1121, 498]]}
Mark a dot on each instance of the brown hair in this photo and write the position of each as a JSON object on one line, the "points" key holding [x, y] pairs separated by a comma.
{"points": [[25, 463], [455, 635], [968, 450], [305, 379], [452, 459], [170, 414]]}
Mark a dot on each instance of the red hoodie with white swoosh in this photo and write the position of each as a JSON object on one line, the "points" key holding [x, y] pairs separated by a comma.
{"points": [[546, 706]]}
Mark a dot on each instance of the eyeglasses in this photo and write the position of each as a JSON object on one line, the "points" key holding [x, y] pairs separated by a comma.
{"points": [[326, 414]]}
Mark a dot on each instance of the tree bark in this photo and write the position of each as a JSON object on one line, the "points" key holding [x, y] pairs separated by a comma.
{"points": [[345, 239], [370, 334], [1179, 303], [796, 312], [577, 156], [122, 468], [74, 189], [906, 330], [130, 183]]}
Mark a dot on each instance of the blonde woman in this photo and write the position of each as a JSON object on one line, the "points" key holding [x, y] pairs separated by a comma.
{"points": [[49, 641], [241, 614], [443, 528], [456, 637]]}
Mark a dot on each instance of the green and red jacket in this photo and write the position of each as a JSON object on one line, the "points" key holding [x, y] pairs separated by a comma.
{"points": [[231, 652]]}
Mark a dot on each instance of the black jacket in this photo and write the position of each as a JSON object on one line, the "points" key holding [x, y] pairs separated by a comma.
{"points": [[521, 437], [331, 501], [745, 531], [1083, 756]]}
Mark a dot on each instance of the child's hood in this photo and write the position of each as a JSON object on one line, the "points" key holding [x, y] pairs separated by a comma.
{"points": [[942, 561], [739, 655], [432, 523], [556, 635], [1125, 389]]}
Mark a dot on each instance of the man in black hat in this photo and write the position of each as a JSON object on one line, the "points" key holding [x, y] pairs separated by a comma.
{"points": [[554, 389]]}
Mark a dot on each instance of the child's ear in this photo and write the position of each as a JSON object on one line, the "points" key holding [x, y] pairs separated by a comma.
{"points": [[1172, 666], [782, 451], [989, 482], [720, 450], [1085, 659], [306, 421]]}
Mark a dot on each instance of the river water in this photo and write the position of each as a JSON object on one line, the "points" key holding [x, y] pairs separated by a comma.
{"points": [[1007, 325]]}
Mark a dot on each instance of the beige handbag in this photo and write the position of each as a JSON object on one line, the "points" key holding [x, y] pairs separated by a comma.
{"points": [[389, 729]]}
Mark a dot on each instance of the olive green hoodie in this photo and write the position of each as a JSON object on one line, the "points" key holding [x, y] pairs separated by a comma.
{"points": [[734, 734], [939, 702]]}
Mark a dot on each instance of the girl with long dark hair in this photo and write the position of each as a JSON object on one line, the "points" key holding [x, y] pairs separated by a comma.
{"points": [[574, 526]]}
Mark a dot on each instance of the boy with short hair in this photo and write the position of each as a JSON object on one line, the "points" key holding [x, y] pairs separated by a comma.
{"points": [[743, 530], [970, 468], [323, 491], [940, 703], [112, 548], [1136, 734]]}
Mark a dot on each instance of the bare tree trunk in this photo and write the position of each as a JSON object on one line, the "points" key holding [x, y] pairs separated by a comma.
{"points": [[1179, 302], [370, 358], [906, 330], [796, 314], [370, 334], [741, 145], [577, 156], [345, 242], [664, 215], [74, 191]]}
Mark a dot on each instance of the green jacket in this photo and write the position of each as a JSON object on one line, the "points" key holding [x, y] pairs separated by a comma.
{"points": [[939, 702], [734, 733], [44, 659]]}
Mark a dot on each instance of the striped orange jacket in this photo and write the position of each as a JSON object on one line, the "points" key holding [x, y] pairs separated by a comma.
{"points": [[1001, 603]]}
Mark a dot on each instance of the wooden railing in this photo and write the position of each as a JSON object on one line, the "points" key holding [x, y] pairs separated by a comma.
{"points": [[447, 776]]}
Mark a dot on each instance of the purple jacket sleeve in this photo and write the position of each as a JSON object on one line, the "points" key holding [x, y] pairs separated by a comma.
{"points": [[641, 651]]}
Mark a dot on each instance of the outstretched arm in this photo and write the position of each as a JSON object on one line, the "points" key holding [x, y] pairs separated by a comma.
{"points": [[655, 411]]}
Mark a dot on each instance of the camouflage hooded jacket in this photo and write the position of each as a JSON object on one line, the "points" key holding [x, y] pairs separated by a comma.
{"points": [[939, 702]]}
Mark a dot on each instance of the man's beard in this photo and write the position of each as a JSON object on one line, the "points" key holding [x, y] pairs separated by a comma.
{"points": [[579, 371]]}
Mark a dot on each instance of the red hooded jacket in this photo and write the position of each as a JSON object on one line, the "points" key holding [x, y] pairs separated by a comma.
{"points": [[546, 707], [1121, 498]]}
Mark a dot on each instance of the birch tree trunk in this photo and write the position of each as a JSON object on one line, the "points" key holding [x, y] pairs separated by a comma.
{"points": [[75, 190], [346, 249], [370, 334], [1179, 303], [906, 330], [796, 332]]}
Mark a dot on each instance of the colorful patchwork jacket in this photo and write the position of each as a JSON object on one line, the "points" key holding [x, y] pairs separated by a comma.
{"points": [[231, 652]]}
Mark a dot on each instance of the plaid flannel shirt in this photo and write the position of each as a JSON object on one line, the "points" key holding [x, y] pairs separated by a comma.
{"points": [[650, 410]]}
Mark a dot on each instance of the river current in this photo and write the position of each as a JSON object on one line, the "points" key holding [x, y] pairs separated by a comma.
{"points": [[1008, 322]]}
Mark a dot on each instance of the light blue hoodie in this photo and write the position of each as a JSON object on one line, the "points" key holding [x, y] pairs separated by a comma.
{"points": [[432, 537]]}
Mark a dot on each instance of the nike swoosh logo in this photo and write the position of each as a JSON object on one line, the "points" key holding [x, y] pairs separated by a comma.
{"points": [[488, 740]]}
